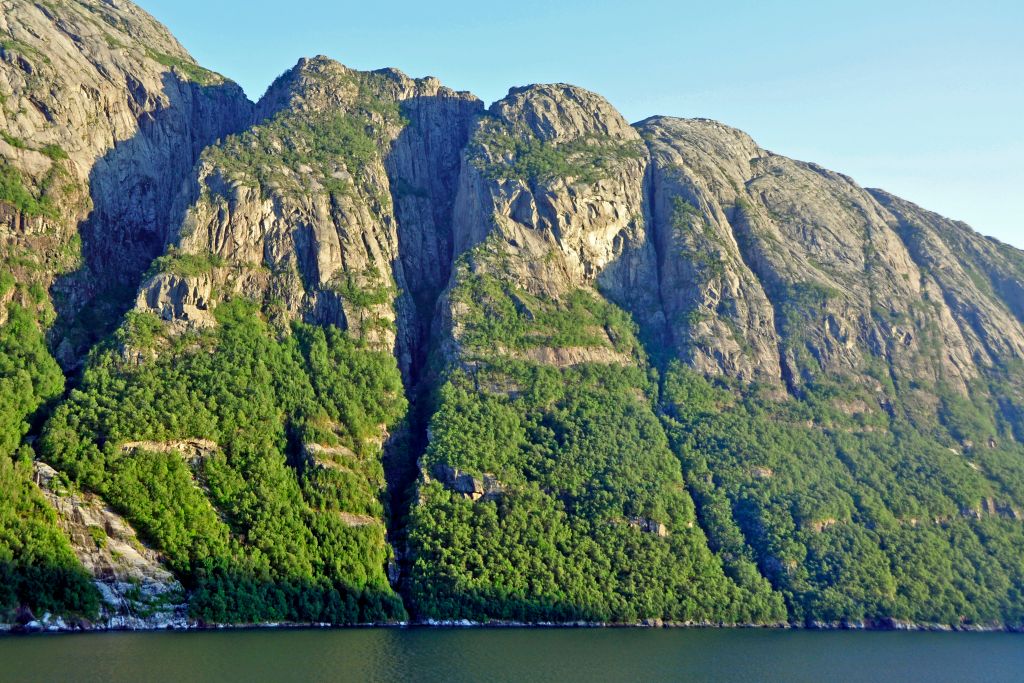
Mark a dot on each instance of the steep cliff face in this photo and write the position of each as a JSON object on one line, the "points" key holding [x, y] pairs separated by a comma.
{"points": [[295, 215], [796, 258], [854, 335], [104, 114], [557, 174], [295, 211], [895, 332], [656, 371], [299, 211], [336, 209], [977, 278], [719, 313], [424, 166]]}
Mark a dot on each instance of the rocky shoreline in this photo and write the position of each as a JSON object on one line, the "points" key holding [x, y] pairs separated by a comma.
{"points": [[50, 624]]}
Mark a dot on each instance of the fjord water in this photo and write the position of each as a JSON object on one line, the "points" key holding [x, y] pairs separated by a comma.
{"points": [[516, 654]]}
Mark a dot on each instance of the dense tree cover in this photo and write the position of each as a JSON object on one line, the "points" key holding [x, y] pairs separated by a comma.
{"points": [[282, 518], [29, 376], [37, 566], [822, 508], [853, 513], [593, 521], [499, 315]]}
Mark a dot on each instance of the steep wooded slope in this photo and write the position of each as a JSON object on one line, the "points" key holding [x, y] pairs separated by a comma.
{"points": [[102, 115], [524, 363]]}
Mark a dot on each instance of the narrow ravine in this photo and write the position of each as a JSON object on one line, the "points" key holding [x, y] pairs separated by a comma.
{"points": [[423, 167]]}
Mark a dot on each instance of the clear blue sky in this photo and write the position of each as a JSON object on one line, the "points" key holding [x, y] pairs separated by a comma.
{"points": [[924, 99]]}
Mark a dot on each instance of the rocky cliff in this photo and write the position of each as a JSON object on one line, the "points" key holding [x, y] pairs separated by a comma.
{"points": [[808, 274], [655, 371], [104, 115], [301, 210]]}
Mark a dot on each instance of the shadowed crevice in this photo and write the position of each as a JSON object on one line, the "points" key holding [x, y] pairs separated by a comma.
{"points": [[136, 190]]}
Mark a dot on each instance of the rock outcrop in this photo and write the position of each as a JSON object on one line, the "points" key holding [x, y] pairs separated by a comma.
{"points": [[104, 115], [136, 590], [312, 232], [485, 487]]}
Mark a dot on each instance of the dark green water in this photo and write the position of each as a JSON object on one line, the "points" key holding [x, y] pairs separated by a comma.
{"points": [[515, 655]]}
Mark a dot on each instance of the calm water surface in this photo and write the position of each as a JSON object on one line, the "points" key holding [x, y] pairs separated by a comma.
{"points": [[515, 655]]}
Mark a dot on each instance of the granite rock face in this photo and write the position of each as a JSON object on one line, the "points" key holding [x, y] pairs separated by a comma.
{"points": [[104, 115], [979, 279], [715, 305], [776, 269], [136, 590], [557, 174], [738, 262]]}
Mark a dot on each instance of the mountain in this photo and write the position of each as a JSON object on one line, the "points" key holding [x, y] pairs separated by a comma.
{"points": [[368, 351]]}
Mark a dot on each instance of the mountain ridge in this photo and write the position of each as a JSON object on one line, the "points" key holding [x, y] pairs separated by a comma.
{"points": [[526, 362]]}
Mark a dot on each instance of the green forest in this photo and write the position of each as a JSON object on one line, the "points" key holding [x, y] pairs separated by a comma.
{"points": [[851, 519], [258, 527], [38, 569], [593, 520]]}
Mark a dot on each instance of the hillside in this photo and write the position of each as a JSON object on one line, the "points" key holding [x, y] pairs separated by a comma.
{"points": [[368, 351]]}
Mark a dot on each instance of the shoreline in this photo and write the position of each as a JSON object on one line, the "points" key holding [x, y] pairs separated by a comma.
{"points": [[60, 627]]}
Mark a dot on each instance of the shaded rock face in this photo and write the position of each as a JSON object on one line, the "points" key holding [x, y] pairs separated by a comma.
{"points": [[136, 590], [315, 234], [185, 300], [424, 165], [133, 187], [108, 108]]}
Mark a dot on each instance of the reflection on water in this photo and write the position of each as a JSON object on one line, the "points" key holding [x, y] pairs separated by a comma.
{"points": [[515, 654]]}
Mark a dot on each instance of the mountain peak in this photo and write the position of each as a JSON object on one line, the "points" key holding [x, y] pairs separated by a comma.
{"points": [[562, 112], [322, 83]]}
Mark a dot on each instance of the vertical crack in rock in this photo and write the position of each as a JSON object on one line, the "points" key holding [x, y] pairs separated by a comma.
{"points": [[423, 166]]}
